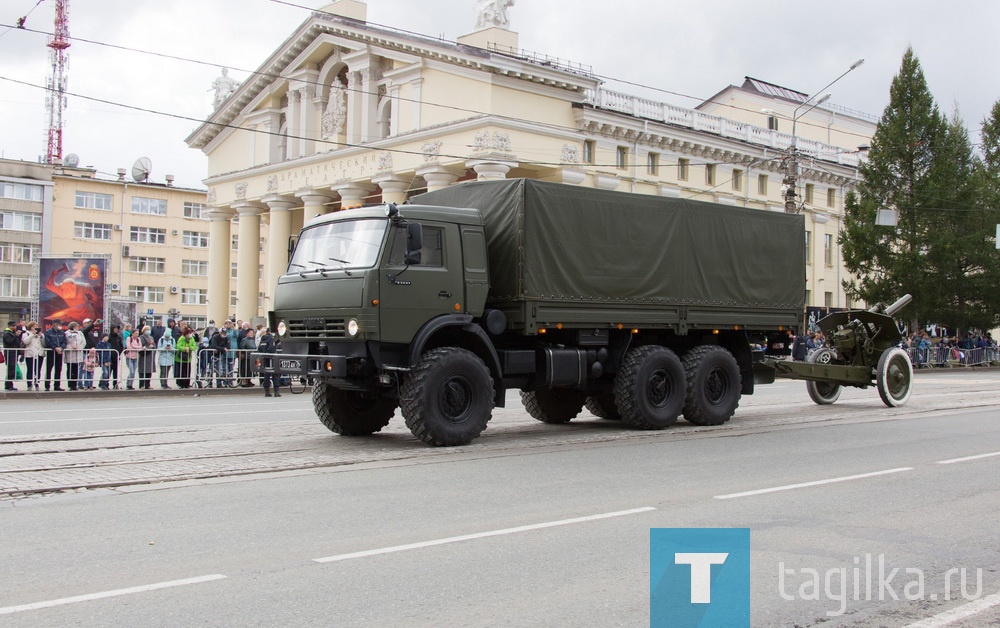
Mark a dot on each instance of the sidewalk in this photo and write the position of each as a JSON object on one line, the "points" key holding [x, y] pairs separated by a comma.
{"points": [[94, 393]]}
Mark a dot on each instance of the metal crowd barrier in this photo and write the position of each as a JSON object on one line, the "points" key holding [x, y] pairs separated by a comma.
{"points": [[944, 357], [52, 371]]}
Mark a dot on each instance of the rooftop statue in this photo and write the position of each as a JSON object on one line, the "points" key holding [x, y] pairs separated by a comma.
{"points": [[223, 86], [493, 14]]}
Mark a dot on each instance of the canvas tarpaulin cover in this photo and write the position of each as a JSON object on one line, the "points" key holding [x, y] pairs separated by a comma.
{"points": [[549, 241]]}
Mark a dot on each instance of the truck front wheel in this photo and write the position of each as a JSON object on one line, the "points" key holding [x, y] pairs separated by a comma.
{"points": [[649, 388], [447, 398], [713, 385], [553, 406], [351, 413]]}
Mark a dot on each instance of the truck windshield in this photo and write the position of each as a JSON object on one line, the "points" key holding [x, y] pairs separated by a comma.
{"points": [[346, 244]]}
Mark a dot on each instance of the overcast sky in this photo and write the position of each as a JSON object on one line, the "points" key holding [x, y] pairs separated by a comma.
{"points": [[690, 49]]}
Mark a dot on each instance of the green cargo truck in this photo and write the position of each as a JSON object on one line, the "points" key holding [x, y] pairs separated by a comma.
{"points": [[639, 308]]}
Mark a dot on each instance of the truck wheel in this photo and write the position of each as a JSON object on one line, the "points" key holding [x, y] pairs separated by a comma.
{"points": [[603, 406], [553, 406], [447, 398], [893, 377], [351, 413], [713, 385], [823, 393], [649, 388]]}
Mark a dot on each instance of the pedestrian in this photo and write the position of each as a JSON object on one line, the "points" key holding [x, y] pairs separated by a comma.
{"points": [[73, 355], [157, 331], [165, 357], [117, 343], [91, 332], [132, 348], [269, 344], [104, 353], [55, 344], [34, 353], [186, 348], [11, 353], [247, 346], [90, 365], [800, 349], [146, 357]]}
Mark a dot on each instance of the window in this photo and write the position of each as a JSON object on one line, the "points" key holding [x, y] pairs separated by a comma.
{"points": [[810, 192], [737, 180], [234, 242], [589, 151], [21, 191], [146, 294], [196, 322], [709, 174], [195, 239], [18, 253], [432, 255], [682, 169], [261, 248], [193, 296], [156, 265], [232, 298], [772, 123], [194, 210], [194, 268], [762, 184], [653, 164], [155, 206], [92, 230], [828, 250], [827, 299], [147, 235], [234, 270], [831, 197], [809, 251], [621, 158], [16, 287], [20, 221], [93, 200]]}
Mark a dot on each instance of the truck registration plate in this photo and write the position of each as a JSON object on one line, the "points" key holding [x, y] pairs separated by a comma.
{"points": [[290, 365]]}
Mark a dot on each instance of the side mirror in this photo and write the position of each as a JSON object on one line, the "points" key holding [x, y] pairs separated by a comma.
{"points": [[293, 241], [414, 242]]}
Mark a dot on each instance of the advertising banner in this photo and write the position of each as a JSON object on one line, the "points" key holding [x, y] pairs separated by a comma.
{"points": [[71, 289], [121, 312]]}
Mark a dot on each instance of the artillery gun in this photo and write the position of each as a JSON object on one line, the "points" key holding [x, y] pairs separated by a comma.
{"points": [[865, 351]]}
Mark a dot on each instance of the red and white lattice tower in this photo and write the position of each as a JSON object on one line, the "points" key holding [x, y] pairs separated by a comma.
{"points": [[55, 102]]}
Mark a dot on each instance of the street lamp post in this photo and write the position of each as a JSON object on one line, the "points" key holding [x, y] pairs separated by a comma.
{"points": [[792, 162]]}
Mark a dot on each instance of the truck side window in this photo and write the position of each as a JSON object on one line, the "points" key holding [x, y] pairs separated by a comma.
{"points": [[432, 254]]}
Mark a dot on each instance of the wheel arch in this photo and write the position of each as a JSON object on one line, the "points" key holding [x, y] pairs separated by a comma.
{"points": [[458, 330]]}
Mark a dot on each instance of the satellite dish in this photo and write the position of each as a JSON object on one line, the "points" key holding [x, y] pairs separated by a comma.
{"points": [[141, 169], [72, 160]]}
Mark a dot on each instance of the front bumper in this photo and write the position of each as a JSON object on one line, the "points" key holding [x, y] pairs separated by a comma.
{"points": [[315, 366]]}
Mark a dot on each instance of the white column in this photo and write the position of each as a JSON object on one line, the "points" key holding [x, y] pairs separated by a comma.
{"points": [[218, 262], [437, 177], [314, 203], [393, 188], [280, 229], [294, 122], [488, 169], [248, 260], [352, 194]]}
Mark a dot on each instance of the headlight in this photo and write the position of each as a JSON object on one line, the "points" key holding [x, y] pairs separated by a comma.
{"points": [[282, 329], [352, 327]]}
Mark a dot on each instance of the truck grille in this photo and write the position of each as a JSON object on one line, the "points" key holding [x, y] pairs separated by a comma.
{"points": [[318, 328]]}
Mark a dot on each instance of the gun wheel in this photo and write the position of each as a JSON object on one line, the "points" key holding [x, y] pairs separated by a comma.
{"points": [[894, 377], [823, 393]]}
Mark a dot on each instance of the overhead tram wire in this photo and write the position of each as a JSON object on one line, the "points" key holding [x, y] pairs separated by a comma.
{"points": [[401, 99]]}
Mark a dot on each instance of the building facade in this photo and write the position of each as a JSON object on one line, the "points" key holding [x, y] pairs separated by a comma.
{"points": [[154, 234], [345, 113]]}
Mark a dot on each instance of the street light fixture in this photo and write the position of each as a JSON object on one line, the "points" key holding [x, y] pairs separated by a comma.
{"points": [[792, 163]]}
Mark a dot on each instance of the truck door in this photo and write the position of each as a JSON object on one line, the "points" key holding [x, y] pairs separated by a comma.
{"points": [[411, 296]]}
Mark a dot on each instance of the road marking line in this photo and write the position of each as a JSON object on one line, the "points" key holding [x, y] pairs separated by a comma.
{"points": [[8, 610], [958, 614], [790, 487], [480, 535], [968, 458]]}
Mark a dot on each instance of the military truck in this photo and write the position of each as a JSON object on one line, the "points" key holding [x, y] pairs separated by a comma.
{"points": [[639, 308]]}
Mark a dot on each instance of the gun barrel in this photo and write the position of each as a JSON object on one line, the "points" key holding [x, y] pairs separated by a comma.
{"points": [[898, 305]]}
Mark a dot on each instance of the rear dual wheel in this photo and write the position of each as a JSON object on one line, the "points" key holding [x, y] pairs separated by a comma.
{"points": [[713, 385], [649, 388]]}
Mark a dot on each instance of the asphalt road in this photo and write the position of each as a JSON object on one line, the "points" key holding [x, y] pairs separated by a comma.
{"points": [[532, 525]]}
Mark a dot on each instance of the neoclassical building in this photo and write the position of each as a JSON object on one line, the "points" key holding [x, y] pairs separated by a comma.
{"points": [[345, 113]]}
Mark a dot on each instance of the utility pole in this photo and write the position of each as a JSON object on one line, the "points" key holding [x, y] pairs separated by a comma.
{"points": [[791, 163]]}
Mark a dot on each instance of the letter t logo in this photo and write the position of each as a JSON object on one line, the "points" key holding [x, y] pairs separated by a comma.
{"points": [[701, 573]]}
